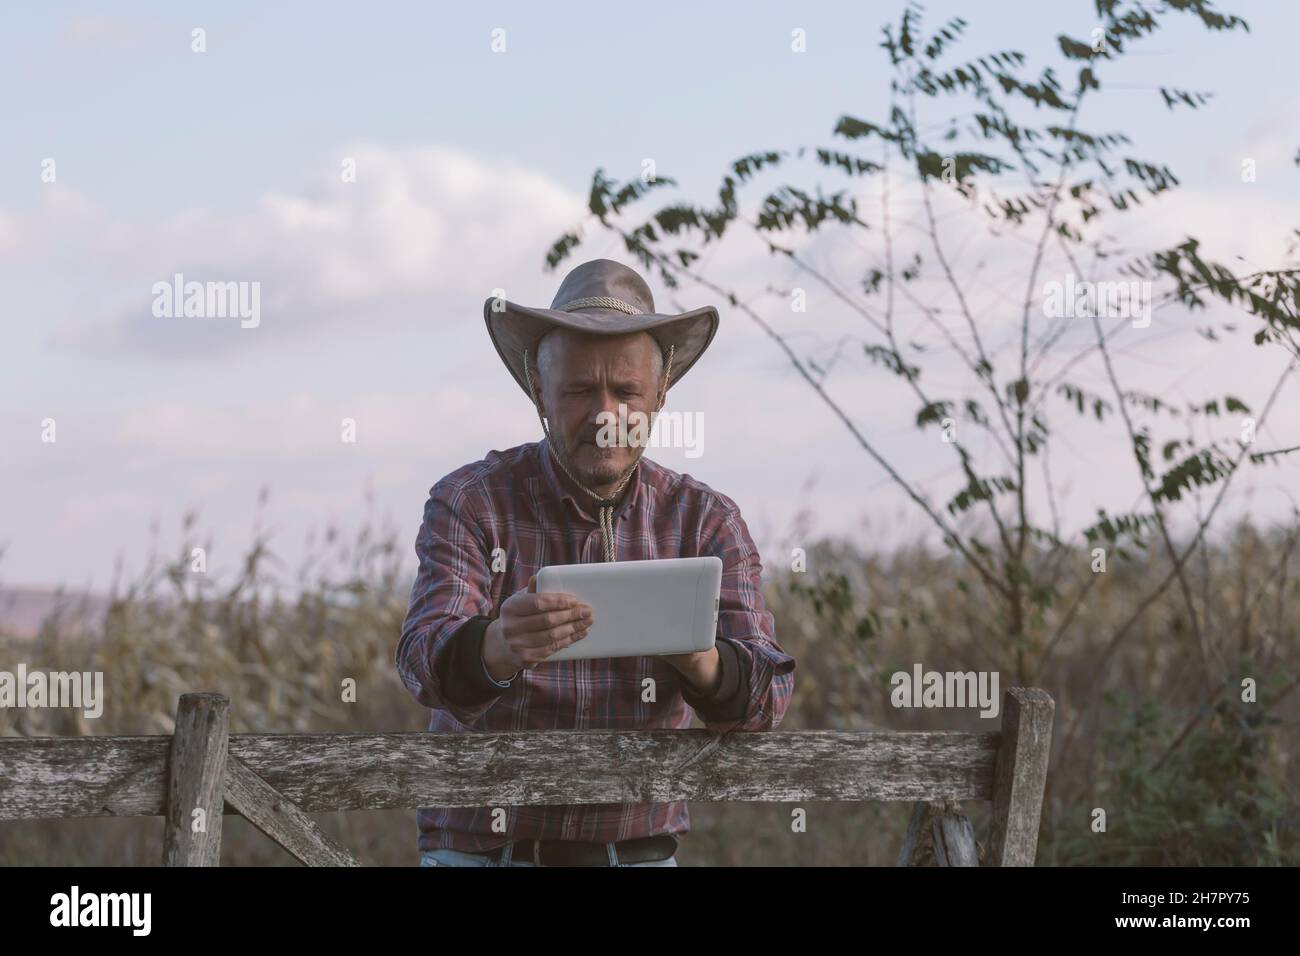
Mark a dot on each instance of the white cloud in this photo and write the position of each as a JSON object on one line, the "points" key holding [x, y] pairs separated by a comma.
{"points": [[418, 227]]}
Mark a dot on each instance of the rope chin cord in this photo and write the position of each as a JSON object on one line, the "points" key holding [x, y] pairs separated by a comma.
{"points": [[606, 505]]}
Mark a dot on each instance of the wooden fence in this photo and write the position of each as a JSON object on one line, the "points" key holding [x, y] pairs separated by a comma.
{"points": [[275, 780]]}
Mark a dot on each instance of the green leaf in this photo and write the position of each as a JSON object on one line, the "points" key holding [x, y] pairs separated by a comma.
{"points": [[933, 413]]}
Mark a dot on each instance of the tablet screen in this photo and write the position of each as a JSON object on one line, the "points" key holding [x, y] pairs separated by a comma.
{"points": [[662, 606]]}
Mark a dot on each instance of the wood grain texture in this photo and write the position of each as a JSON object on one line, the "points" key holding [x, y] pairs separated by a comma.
{"points": [[127, 776], [954, 840], [939, 834], [1021, 776], [277, 817], [83, 776], [385, 771], [912, 852], [196, 781]]}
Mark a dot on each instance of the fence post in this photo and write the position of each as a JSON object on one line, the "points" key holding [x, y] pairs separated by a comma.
{"points": [[196, 781], [1021, 776], [940, 834]]}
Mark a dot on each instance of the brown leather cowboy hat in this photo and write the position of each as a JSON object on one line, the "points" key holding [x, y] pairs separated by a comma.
{"points": [[600, 297]]}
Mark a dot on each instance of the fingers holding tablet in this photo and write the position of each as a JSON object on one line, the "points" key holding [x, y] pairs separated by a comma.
{"points": [[532, 627]]}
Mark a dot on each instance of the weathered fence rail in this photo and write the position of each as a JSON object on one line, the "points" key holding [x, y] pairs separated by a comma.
{"points": [[202, 771]]}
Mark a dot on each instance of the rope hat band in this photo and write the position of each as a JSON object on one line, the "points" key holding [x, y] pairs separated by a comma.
{"points": [[600, 302]]}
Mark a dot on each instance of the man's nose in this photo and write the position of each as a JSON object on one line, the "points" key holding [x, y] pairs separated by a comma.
{"points": [[602, 414], [604, 405]]}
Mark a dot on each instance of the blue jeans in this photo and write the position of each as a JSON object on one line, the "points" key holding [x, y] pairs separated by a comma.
{"points": [[459, 858]]}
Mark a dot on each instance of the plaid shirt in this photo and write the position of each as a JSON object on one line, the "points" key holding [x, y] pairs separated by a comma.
{"points": [[513, 500]]}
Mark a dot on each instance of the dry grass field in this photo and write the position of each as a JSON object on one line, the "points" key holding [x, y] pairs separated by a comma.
{"points": [[1186, 771]]}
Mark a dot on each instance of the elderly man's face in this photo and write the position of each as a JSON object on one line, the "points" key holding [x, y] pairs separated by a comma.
{"points": [[585, 375]]}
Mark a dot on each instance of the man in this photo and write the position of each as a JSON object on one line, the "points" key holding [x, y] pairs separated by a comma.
{"points": [[477, 638]]}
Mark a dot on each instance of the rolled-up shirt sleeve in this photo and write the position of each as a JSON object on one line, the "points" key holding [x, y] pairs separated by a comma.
{"points": [[450, 608], [466, 680], [731, 698], [762, 667]]}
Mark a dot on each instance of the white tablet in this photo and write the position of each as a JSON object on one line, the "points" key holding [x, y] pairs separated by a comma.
{"points": [[661, 606]]}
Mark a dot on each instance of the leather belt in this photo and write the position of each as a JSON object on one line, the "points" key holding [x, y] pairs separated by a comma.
{"points": [[573, 853]]}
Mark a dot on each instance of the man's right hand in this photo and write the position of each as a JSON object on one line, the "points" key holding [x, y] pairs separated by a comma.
{"points": [[531, 628]]}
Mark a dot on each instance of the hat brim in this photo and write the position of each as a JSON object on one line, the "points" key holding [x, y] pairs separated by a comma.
{"points": [[514, 328]]}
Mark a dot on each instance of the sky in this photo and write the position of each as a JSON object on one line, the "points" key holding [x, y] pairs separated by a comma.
{"points": [[229, 165]]}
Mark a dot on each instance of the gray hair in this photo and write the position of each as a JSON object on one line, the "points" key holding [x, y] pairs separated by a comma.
{"points": [[547, 344]]}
